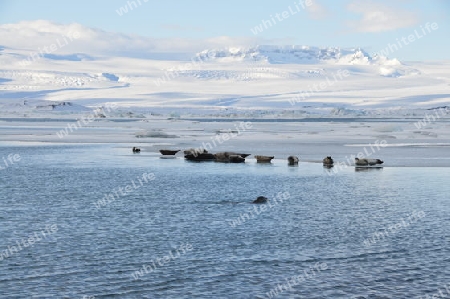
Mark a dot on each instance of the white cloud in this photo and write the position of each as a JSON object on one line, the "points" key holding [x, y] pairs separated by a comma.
{"points": [[317, 10], [34, 36], [378, 17]]}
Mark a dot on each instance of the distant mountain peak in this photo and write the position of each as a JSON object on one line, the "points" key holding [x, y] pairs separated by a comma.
{"points": [[296, 54]]}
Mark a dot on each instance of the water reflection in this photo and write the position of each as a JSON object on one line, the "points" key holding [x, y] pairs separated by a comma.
{"points": [[366, 169]]}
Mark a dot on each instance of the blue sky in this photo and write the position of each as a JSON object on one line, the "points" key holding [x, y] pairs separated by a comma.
{"points": [[372, 25]]}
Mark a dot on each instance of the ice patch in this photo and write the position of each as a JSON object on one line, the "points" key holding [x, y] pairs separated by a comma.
{"points": [[388, 128], [110, 77]]}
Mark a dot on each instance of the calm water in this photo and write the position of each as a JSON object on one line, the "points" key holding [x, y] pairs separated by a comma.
{"points": [[328, 222]]}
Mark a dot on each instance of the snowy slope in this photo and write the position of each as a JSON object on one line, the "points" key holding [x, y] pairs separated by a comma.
{"points": [[98, 68]]}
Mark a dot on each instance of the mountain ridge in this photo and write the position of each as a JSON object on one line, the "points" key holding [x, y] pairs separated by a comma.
{"points": [[296, 54]]}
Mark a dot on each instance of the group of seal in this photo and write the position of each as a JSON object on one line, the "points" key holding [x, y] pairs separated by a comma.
{"points": [[193, 154]]}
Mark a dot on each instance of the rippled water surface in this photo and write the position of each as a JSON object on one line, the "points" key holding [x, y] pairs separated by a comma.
{"points": [[193, 232]]}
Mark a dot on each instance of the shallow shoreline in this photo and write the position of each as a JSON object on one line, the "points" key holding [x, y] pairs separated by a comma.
{"points": [[405, 145]]}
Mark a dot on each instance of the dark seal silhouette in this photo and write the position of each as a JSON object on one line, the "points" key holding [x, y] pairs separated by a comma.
{"points": [[167, 152], [230, 157], [263, 159], [367, 162], [260, 199], [292, 160], [328, 162]]}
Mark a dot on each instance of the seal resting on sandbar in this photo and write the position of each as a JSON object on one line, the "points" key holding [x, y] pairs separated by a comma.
{"points": [[167, 152], [263, 159], [230, 157], [367, 162], [260, 199], [198, 155]]}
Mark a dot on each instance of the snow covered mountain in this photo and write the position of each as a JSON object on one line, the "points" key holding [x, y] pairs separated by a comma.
{"points": [[297, 55]]}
